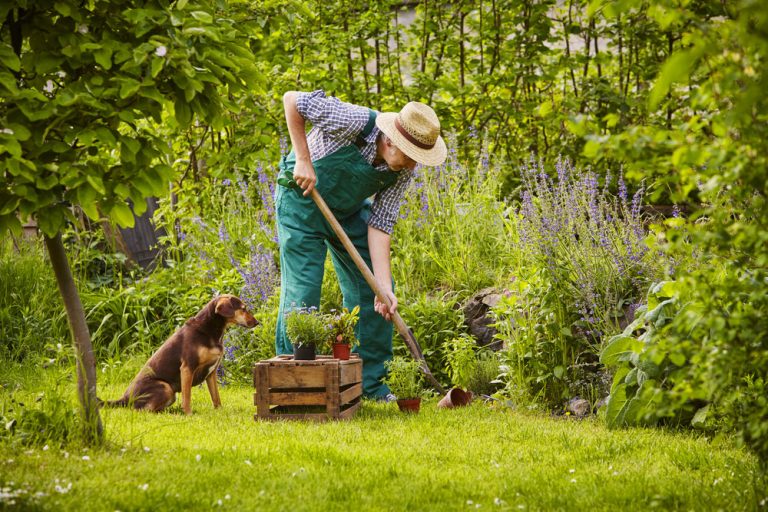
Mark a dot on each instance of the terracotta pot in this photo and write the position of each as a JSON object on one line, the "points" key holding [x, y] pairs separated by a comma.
{"points": [[305, 352], [409, 404], [341, 351], [456, 397]]}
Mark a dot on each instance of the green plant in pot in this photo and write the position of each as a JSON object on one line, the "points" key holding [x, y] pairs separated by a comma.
{"points": [[307, 330], [463, 364], [342, 332], [405, 380]]}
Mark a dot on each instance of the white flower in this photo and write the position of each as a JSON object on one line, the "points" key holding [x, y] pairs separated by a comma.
{"points": [[197, 457], [144, 487], [49, 86], [82, 28], [63, 490], [85, 457], [160, 51]]}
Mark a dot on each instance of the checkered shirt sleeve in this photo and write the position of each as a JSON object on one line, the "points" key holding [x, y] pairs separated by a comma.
{"points": [[336, 124]]}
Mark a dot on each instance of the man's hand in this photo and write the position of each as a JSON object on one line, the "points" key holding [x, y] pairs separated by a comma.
{"points": [[381, 307], [304, 176]]}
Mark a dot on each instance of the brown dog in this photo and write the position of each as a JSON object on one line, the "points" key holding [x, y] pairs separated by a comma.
{"points": [[189, 357]]}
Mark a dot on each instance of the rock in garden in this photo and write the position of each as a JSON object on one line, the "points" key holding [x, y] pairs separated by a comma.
{"points": [[478, 319], [578, 407]]}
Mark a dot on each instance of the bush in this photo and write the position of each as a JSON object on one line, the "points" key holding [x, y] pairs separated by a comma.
{"points": [[434, 322], [587, 267]]}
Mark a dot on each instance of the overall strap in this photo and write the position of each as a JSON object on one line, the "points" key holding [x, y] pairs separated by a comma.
{"points": [[360, 140]]}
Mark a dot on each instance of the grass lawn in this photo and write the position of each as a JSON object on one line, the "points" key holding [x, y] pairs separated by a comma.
{"points": [[479, 457]]}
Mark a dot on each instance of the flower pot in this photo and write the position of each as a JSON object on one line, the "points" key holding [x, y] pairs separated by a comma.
{"points": [[304, 352], [409, 404], [456, 397], [341, 351]]}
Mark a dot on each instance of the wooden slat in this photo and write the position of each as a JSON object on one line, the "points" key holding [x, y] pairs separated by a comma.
{"points": [[284, 376], [295, 417], [332, 390], [351, 393], [351, 372], [298, 398], [262, 390], [347, 414]]}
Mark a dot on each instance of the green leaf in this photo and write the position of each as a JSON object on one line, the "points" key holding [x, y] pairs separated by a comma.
{"points": [[10, 223], [129, 87], [96, 183], [122, 215], [677, 358], [181, 4], [103, 57], [182, 112], [675, 69], [8, 81], [700, 417], [619, 348], [46, 182], [558, 371], [9, 58], [90, 209], [62, 8], [202, 16]]}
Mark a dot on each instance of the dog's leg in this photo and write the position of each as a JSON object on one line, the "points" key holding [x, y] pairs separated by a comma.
{"points": [[186, 388], [160, 397], [213, 386]]}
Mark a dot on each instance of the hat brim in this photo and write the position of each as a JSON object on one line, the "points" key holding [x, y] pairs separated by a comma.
{"points": [[433, 156]]}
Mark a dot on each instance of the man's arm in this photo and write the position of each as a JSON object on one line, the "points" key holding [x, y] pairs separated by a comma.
{"points": [[379, 247], [303, 171]]}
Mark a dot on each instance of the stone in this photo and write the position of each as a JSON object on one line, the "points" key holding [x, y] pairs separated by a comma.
{"points": [[478, 319], [579, 407]]}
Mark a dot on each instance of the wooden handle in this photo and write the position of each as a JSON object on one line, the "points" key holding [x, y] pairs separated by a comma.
{"points": [[402, 328]]}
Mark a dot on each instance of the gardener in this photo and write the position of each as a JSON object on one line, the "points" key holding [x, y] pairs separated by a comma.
{"points": [[350, 154]]}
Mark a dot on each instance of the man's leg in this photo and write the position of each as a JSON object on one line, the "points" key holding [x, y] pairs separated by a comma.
{"points": [[373, 331], [302, 259]]}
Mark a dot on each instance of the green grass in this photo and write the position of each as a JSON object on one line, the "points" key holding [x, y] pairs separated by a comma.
{"points": [[492, 458]]}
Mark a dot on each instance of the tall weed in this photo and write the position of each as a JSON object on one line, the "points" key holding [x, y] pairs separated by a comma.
{"points": [[452, 234], [31, 311]]}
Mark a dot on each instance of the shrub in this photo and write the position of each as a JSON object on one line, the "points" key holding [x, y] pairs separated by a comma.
{"points": [[434, 321], [587, 267]]}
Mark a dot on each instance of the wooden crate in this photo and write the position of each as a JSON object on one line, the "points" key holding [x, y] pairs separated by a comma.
{"points": [[318, 390]]}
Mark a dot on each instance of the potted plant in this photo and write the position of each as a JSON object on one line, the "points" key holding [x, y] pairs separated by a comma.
{"points": [[463, 365], [306, 328], [342, 332], [404, 378]]}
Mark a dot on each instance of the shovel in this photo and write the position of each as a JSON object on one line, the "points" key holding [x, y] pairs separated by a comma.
{"points": [[286, 179]]}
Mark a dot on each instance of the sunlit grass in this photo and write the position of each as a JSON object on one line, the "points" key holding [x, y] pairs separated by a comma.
{"points": [[483, 456]]}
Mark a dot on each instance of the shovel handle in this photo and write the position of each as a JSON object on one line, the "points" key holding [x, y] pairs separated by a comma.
{"points": [[402, 328]]}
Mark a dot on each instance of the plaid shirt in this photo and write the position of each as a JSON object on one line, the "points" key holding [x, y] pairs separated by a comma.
{"points": [[336, 124]]}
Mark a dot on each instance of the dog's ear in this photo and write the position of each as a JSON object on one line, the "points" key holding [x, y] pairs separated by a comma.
{"points": [[225, 308]]}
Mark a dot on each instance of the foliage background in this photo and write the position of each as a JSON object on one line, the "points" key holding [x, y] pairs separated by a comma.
{"points": [[669, 92]]}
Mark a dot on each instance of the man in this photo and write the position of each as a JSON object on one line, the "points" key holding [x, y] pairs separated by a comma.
{"points": [[350, 154]]}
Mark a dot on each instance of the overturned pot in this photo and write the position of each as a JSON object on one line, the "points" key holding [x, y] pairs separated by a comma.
{"points": [[456, 397]]}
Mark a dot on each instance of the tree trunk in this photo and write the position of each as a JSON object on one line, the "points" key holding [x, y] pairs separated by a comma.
{"points": [[86, 363]]}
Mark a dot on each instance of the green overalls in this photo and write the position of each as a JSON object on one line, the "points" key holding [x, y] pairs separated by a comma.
{"points": [[345, 180]]}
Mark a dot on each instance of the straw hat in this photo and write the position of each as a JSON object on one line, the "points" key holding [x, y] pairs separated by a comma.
{"points": [[415, 131]]}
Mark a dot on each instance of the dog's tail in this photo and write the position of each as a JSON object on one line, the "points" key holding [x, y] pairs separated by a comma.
{"points": [[120, 402]]}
